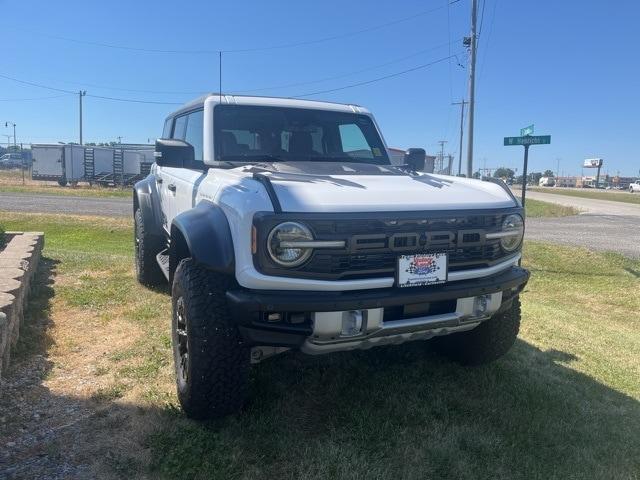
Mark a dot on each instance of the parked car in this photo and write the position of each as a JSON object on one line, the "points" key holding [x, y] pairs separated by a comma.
{"points": [[634, 187], [282, 224], [11, 160]]}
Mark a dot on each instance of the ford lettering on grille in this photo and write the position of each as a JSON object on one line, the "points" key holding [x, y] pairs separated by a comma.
{"points": [[416, 241]]}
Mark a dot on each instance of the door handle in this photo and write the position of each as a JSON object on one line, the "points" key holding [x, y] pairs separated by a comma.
{"points": [[171, 187], [158, 180]]}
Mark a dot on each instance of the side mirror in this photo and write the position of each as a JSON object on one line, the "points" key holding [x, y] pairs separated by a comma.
{"points": [[173, 153], [415, 159]]}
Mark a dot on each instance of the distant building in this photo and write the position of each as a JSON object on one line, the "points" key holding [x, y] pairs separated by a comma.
{"points": [[622, 182], [568, 182]]}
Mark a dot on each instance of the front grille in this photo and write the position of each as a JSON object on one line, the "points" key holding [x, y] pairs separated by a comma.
{"points": [[374, 242], [364, 265]]}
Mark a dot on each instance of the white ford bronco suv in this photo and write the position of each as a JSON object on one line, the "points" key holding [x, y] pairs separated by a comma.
{"points": [[281, 224]]}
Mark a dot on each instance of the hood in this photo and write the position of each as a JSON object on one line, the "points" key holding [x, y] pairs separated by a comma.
{"points": [[357, 187]]}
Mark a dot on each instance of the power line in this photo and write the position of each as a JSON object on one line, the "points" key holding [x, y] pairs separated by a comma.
{"points": [[353, 72], [484, 2], [252, 49], [132, 100], [134, 90], [33, 84], [486, 44], [33, 98], [373, 80], [341, 36]]}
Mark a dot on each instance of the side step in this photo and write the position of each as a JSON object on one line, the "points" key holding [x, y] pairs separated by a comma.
{"points": [[163, 261]]}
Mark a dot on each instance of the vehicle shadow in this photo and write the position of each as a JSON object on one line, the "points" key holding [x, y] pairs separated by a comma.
{"points": [[399, 411]]}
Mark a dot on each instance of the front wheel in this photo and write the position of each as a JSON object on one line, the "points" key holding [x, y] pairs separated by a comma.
{"points": [[147, 246], [487, 342], [211, 361]]}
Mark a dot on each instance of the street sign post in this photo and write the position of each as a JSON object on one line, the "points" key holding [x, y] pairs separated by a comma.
{"points": [[526, 131], [526, 141]]}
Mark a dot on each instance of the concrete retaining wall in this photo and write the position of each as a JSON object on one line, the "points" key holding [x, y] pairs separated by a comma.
{"points": [[18, 266]]}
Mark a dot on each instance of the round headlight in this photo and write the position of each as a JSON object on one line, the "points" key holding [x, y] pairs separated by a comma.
{"points": [[287, 233], [514, 226]]}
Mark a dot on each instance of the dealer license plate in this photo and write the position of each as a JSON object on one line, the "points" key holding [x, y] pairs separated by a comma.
{"points": [[422, 269]]}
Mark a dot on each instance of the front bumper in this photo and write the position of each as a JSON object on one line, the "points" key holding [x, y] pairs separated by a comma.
{"points": [[249, 307]]}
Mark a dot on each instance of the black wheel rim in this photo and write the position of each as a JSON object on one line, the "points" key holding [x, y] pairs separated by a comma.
{"points": [[182, 345]]}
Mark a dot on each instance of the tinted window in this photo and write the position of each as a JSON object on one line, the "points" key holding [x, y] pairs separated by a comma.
{"points": [[166, 132], [179, 127], [353, 141], [250, 133], [194, 132]]}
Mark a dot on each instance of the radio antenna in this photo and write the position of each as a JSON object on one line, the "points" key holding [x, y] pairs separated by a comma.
{"points": [[220, 75]]}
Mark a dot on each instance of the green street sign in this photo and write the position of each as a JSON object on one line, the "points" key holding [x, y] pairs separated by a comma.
{"points": [[528, 140], [526, 131]]}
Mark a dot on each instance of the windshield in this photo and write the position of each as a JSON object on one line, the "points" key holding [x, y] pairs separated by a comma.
{"points": [[280, 134]]}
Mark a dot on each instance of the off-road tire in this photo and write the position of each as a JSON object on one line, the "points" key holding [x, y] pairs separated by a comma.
{"points": [[146, 248], [213, 379], [487, 342]]}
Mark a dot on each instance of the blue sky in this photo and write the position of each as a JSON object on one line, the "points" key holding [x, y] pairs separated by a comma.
{"points": [[570, 67]]}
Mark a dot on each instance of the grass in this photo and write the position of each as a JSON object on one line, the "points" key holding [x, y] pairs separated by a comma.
{"points": [[79, 191], [537, 208], [621, 196], [11, 182], [564, 403]]}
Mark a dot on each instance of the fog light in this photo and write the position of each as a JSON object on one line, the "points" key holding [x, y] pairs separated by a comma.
{"points": [[480, 304], [351, 323]]}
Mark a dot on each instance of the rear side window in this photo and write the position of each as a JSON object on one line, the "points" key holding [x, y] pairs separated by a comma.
{"points": [[180, 127], [193, 134], [166, 132]]}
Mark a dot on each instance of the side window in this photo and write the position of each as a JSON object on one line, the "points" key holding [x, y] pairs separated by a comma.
{"points": [[179, 127], [166, 132], [354, 142], [194, 133]]}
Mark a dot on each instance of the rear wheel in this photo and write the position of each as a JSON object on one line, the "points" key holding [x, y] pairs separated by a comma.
{"points": [[147, 246], [62, 182], [211, 361], [487, 342]]}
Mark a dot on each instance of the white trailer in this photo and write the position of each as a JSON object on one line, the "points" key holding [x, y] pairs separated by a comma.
{"points": [[61, 163], [102, 165]]}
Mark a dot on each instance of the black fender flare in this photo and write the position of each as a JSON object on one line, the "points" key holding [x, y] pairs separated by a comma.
{"points": [[145, 197], [205, 234]]}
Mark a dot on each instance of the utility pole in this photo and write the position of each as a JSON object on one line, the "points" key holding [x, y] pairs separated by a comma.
{"points": [[462, 103], [558, 169], [15, 143], [442, 142], [471, 43], [81, 93]]}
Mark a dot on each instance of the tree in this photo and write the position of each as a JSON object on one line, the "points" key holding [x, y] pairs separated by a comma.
{"points": [[534, 178], [477, 175], [504, 172], [547, 173]]}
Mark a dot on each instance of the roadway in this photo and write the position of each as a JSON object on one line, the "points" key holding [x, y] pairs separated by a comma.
{"points": [[602, 225], [71, 205]]}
